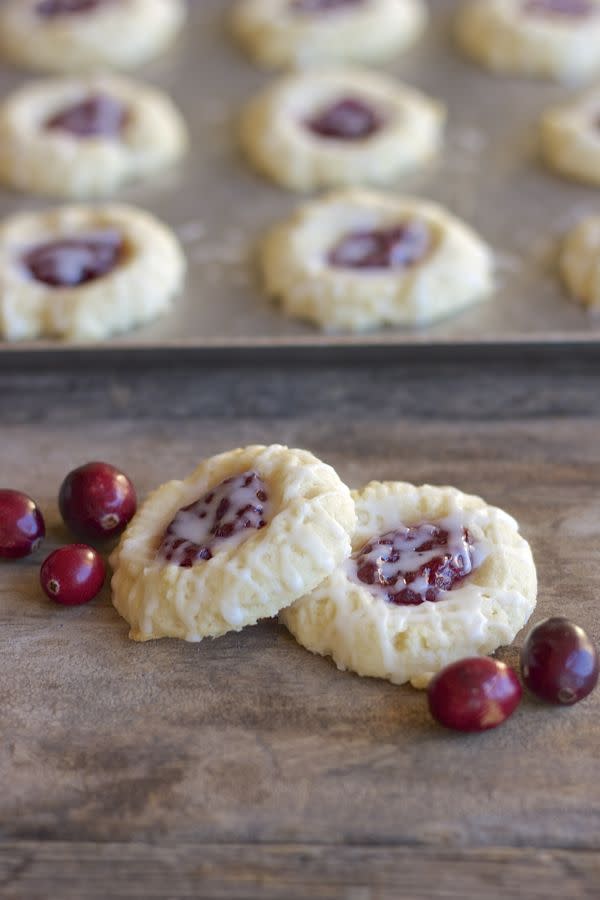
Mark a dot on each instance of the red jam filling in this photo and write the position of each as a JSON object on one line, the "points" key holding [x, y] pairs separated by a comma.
{"points": [[50, 8], [347, 120], [232, 507], [574, 9], [391, 248], [414, 565], [97, 116], [322, 6], [69, 262]]}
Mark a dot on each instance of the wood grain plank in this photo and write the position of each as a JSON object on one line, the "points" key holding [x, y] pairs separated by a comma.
{"points": [[250, 738], [84, 871]]}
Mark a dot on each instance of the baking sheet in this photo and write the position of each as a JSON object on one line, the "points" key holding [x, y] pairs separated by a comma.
{"points": [[489, 174]]}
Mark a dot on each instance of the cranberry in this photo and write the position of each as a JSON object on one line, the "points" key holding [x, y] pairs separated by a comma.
{"points": [[51, 8], [414, 565], [392, 248], [97, 116], [474, 694], [73, 575], [97, 500], [318, 6], [559, 662], [22, 527], [576, 9], [70, 262], [233, 507], [348, 120]]}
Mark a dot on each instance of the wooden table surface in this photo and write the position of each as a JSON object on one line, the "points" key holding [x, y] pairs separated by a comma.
{"points": [[246, 767]]}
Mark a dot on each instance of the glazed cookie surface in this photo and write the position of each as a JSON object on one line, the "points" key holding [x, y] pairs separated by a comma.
{"points": [[82, 273], [570, 137], [435, 575], [558, 39], [86, 137], [340, 127], [286, 33], [580, 263], [357, 260], [235, 542], [83, 35]]}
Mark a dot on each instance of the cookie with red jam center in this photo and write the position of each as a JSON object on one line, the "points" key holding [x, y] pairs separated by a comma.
{"points": [[233, 543], [556, 39], [435, 575]]}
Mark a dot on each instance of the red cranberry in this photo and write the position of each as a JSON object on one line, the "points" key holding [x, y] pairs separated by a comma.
{"points": [[347, 120], [575, 9], [73, 575], [51, 8], [391, 248], [97, 500], [232, 507], [318, 6], [474, 694], [70, 262], [97, 116], [559, 662], [414, 565], [22, 527]]}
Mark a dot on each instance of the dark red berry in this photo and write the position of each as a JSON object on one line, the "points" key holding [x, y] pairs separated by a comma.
{"points": [[559, 662], [474, 694], [97, 501], [22, 528], [73, 575], [51, 8]]}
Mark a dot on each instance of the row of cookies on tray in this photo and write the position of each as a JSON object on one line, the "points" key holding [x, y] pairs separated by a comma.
{"points": [[401, 263]]}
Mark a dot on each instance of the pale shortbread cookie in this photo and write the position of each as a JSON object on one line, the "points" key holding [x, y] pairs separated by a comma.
{"points": [[533, 37], [356, 623], [394, 129], [288, 33], [570, 137], [83, 35], [580, 263], [454, 270], [38, 157], [148, 271], [300, 533]]}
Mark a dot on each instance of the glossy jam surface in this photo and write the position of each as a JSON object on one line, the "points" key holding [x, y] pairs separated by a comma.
{"points": [[96, 116], [349, 119], [569, 9], [50, 8], [410, 566], [310, 7], [234, 508], [70, 262], [390, 248]]}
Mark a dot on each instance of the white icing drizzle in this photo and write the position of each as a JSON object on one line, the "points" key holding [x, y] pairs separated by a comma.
{"points": [[471, 552], [219, 509]]}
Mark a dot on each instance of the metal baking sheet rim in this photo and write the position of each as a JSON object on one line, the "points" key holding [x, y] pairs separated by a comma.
{"points": [[490, 175]]}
